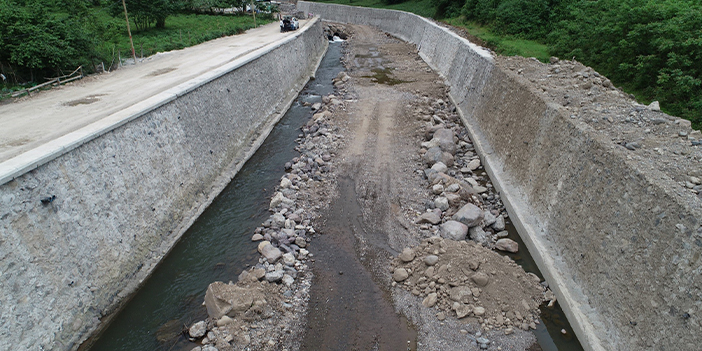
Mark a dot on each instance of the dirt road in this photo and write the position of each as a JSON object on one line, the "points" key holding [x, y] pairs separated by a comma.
{"points": [[32, 121]]}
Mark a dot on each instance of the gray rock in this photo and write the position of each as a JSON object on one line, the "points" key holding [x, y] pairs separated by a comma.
{"points": [[488, 218], [508, 245], [400, 274], [279, 199], [289, 259], [478, 235], [480, 279], [473, 164], [499, 224], [198, 330], [430, 300], [277, 220], [316, 106], [462, 310], [301, 242], [654, 106], [437, 189], [434, 155], [431, 260], [441, 203], [469, 215], [209, 348], [288, 280], [502, 234], [440, 167], [632, 146], [479, 189], [453, 188], [275, 276], [433, 217], [257, 237], [230, 299], [454, 230], [407, 255], [444, 139], [271, 253], [461, 294]]}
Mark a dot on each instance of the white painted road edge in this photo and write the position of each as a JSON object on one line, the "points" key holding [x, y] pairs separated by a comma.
{"points": [[45, 153]]}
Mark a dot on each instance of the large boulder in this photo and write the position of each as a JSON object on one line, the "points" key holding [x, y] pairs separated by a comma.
{"points": [[508, 245], [469, 215], [444, 139], [454, 230], [229, 299]]}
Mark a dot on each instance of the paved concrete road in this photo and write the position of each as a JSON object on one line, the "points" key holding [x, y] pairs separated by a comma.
{"points": [[33, 121]]}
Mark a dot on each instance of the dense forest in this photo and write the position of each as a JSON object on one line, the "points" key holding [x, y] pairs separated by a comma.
{"points": [[47, 38], [650, 47]]}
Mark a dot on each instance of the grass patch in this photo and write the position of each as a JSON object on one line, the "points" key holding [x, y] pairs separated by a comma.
{"points": [[181, 31], [503, 44], [423, 8]]}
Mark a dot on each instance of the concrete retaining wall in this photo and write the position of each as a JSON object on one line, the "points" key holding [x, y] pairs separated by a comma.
{"points": [[125, 192], [620, 251]]}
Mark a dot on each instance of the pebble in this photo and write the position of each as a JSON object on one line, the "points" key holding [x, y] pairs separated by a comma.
{"points": [[431, 260], [442, 203], [480, 279], [400, 274], [437, 189], [407, 255]]}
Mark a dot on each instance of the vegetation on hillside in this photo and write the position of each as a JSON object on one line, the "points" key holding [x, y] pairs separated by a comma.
{"points": [[48, 38], [651, 48]]}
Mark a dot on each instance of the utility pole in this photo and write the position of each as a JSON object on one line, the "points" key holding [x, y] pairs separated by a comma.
{"points": [[253, 11], [130, 31]]}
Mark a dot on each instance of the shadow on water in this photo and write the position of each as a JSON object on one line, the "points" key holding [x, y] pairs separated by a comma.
{"points": [[553, 319], [217, 246]]}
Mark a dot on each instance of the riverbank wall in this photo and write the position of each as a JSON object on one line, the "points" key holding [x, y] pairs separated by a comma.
{"points": [[617, 245], [86, 219]]}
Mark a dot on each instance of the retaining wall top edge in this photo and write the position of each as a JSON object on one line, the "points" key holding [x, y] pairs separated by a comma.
{"points": [[29, 160]]}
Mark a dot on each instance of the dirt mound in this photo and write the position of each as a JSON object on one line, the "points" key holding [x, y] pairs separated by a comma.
{"points": [[467, 280]]}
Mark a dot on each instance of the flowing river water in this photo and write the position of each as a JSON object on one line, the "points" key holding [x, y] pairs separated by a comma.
{"points": [[218, 245]]}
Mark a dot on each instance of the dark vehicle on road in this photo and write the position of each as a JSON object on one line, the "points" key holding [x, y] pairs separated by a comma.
{"points": [[289, 23]]}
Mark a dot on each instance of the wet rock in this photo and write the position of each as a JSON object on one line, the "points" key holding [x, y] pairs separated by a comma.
{"points": [[431, 260], [454, 230], [481, 279], [400, 274], [433, 217], [198, 330], [229, 299], [508, 245], [407, 255], [430, 300], [469, 215]]}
